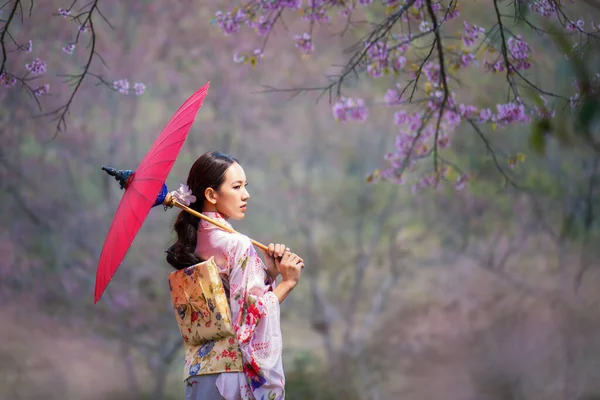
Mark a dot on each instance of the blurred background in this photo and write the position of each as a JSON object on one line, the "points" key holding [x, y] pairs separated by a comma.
{"points": [[481, 294]]}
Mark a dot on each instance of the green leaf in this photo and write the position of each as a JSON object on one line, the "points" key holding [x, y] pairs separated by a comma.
{"points": [[537, 140], [588, 112], [523, 10]]}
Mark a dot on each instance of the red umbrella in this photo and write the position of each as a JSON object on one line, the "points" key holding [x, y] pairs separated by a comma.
{"points": [[144, 189]]}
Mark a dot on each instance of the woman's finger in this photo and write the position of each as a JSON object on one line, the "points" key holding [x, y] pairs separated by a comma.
{"points": [[271, 249]]}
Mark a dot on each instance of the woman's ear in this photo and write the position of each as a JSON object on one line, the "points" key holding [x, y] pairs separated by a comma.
{"points": [[210, 195]]}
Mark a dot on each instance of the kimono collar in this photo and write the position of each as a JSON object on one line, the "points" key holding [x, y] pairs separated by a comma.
{"points": [[217, 216]]}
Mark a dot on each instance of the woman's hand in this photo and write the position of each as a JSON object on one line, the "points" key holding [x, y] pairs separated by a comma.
{"points": [[273, 257], [290, 267]]}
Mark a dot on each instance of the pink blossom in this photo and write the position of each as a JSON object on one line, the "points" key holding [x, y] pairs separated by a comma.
{"points": [[443, 141], [574, 100], [69, 48], [122, 86], [425, 182], [42, 90], [139, 88], [467, 110], [304, 43], [451, 120], [453, 14], [7, 79], [485, 115], [519, 51], [496, 66], [230, 23], [377, 58], [392, 96], [291, 4], [64, 13], [461, 181], [37, 67], [401, 117], [472, 33], [414, 122], [432, 72], [316, 14], [466, 59], [399, 63], [348, 109], [510, 113], [544, 8], [262, 26]]}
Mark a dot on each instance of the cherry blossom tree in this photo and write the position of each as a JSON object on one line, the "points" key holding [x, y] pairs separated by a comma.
{"points": [[428, 51], [425, 51], [26, 53]]}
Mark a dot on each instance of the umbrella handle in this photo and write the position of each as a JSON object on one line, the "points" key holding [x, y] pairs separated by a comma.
{"points": [[171, 201]]}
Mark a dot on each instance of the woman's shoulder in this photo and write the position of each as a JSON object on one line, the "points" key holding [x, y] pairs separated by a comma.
{"points": [[238, 240], [228, 239]]}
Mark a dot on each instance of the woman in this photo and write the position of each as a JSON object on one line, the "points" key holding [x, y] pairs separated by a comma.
{"points": [[254, 370]]}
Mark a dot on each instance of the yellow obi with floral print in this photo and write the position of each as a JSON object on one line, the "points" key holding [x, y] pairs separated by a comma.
{"points": [[204, 320]]}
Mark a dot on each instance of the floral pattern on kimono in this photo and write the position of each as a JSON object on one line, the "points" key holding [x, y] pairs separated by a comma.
{"points": [[204, 321], [254, 309]]}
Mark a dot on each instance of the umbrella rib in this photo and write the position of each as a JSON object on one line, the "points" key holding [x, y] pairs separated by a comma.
{"points": [[178, 142], [158, 145], [185, 107], [200, 93], [132, 212], [150, 179], [175, 119], [192, 102], [150, 163], [153, 164]]}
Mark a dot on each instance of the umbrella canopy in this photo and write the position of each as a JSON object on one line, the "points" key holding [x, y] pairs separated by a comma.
{"points": [[144, 188]]}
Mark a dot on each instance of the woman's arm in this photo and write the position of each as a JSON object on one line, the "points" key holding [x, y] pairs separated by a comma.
{"points": [[283, 289], [255, 316]]}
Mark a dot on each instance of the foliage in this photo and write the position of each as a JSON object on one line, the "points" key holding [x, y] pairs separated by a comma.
{"points": [[427, 48]]}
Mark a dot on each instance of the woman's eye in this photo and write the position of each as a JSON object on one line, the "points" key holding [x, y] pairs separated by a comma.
{"points": [[237, 187]]}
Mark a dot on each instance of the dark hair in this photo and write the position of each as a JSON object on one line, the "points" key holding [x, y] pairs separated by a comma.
{"points": [[207, 172]]}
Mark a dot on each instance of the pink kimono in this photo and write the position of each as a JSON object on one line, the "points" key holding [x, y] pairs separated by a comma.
{"points": [[255, 313]]}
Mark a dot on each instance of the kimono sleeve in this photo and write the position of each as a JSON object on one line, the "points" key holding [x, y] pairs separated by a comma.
{"points": [[255, 316]]}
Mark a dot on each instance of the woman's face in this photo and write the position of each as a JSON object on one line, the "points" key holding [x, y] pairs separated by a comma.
{"points": [[231, 197]]}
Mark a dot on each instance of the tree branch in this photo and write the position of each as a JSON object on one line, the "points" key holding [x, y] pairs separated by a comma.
{"points": [[507, 64], [11, 16], [440, 51], [63, 111]]}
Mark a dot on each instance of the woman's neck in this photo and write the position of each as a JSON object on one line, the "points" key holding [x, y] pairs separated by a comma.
{"points": [[213, 208]]}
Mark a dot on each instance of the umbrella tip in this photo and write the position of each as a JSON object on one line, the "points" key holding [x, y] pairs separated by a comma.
{"points": [[122, 176], [109, 170]]}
